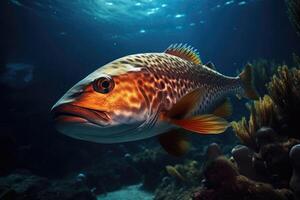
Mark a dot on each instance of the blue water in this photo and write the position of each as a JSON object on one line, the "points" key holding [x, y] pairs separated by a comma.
{"points": [[128, 193]]}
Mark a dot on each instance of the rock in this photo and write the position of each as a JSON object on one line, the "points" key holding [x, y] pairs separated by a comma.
{"points": [[243, 158], [265, 135], [295, 159], [220, 171], [277, 163], [81, 177], [227, 183], [150, 163], [25, 186], [213, 151]]}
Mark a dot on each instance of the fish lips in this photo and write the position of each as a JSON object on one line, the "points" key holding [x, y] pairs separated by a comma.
{"points": [[68, 113], [91, 125]]}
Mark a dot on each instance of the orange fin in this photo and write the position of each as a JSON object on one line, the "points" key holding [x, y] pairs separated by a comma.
{"points": [[185, 52], [186, 104], [174, 143], [224, 109], [203, 124], [246, 77]]}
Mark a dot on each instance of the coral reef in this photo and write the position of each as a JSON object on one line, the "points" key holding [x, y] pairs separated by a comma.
{"points": [[273, 129], [174, 187], [284, 89], [295, 180], [23, 185], [262, 113], [225, 182], [293, 7], [277, 110], [265, 166], [151, 164], [242, 156]]}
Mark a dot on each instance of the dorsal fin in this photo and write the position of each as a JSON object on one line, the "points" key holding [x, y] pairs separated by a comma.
{"points": [[185, 52]]}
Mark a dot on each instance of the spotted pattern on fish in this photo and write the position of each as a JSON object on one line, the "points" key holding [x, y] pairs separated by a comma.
{"points": [[161, 80]]}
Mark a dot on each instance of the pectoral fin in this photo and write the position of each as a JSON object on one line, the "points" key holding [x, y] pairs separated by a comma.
{"points": [[203, 124], [186, 104], [174, 143], [224, 109]]}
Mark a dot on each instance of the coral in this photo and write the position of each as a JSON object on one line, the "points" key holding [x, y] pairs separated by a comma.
{"points": [[242, 156], [173, 187], [265, 135], [273, 129], [295, 159], [278, 110], [262, 113], [284, 89], [24, 185], [227, 184], [213, 151], [293, 7], [172, 171], [151, 164]]}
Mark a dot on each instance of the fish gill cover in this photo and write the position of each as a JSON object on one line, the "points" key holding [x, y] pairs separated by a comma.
{"points": [[49, 45]]}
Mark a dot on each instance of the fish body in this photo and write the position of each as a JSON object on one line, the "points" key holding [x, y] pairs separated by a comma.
{"points": [[143, 95]]}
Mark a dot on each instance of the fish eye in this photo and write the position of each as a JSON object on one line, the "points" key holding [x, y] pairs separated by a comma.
{"points": [[103, 84]]}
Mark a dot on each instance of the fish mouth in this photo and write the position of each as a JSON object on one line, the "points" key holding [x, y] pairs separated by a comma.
{"points": [[68, 113]]}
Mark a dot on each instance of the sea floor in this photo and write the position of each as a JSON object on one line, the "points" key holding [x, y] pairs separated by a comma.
{"points": [[128, 193]]}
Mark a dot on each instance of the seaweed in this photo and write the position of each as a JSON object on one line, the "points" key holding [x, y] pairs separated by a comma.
{"points": [[284, 90], [262, 113], [278, 109], [272, 128]]}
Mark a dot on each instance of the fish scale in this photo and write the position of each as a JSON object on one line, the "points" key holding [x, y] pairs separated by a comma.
{"points": [[189, 77]]}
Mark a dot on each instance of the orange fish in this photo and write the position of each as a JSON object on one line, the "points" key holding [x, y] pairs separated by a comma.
{"points": [[143, 95]]}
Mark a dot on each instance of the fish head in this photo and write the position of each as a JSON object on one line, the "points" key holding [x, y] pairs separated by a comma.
{"points": [[105, 107]]}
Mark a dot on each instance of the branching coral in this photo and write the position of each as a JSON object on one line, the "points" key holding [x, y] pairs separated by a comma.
{"points": [[284, 89], [293, 7], [279, 110], [272, 128], [262, 113]]}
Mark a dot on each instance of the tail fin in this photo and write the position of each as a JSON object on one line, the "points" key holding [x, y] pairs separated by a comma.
{"points": [[247, 81]]}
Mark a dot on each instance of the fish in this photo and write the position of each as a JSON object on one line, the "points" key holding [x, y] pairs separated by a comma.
{"points": [[145, 95]]}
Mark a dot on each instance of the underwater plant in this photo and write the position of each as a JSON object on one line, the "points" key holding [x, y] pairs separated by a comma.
{"points": [[262, 113], [272, 129], [284, 89], [172, 171], [293, 9], [277, 110]]}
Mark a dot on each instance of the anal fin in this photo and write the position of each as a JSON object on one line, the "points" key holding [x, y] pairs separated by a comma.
{"points": [[174, 143], [203, 124]]}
